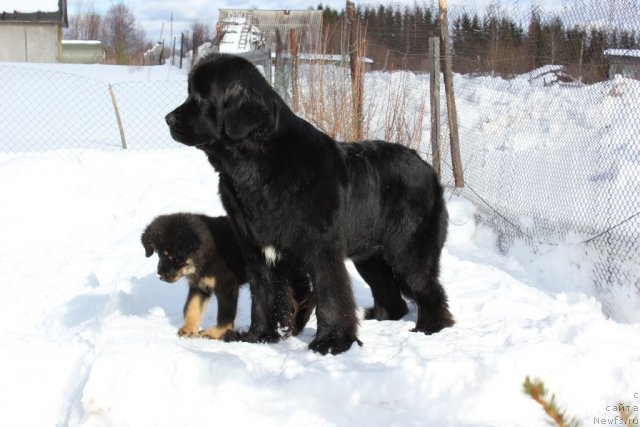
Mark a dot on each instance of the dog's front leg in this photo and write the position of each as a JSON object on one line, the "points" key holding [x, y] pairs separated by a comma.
{"points": [[264, 282], [335, 309], [194, 308]]}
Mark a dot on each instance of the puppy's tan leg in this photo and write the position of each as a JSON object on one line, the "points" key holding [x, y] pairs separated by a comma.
{"points": [[216, 332], [193, 311]]}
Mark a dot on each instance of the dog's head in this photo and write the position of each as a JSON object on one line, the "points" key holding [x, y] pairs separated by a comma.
{"points": [[228, 100], [175, 242]]}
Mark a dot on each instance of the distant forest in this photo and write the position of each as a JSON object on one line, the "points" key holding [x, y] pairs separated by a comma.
{"points": [[489, 43]]}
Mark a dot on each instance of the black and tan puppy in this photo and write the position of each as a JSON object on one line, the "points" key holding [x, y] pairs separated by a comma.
{"points": [[204, 250], [296, 197]]}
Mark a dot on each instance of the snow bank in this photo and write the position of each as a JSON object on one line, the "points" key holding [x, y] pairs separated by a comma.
{"points": [[89, 333]]}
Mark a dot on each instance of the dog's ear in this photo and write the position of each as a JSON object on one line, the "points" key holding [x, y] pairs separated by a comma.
{"points": [[146, 242], [191, 242], [244, 112]]}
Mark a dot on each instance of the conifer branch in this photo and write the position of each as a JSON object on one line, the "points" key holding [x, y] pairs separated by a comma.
{"points": [[536, 390]]}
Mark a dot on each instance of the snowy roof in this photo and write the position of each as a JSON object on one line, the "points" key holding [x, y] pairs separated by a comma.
{"points": [[236, 38], [30, 6], [632, 53], [308, 23], [42, 11], [328, 57], [82, 42]]}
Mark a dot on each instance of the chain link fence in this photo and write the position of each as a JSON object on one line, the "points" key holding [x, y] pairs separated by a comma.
{"points": [[550, 137], [548, 106], [551, 153], [46, 110]]}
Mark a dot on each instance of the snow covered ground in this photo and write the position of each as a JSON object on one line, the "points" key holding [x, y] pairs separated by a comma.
{"points": [[88, 333]]}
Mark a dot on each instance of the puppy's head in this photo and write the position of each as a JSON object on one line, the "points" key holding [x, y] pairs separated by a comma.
{"points": [[175, 242], [228, 100]]}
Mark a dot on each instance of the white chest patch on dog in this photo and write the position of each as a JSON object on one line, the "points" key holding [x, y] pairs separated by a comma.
{"points": [[271, 255]]}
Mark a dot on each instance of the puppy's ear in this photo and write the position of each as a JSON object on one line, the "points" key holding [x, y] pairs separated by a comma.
{"points": [[146, 242], [244, 112], [192, 243]]}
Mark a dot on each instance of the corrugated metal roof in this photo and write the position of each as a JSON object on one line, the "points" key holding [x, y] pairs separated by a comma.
{"points": [[307, 23]]}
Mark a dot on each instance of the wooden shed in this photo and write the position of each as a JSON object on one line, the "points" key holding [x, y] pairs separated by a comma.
{"points": [[33, 35], [624, 62]]}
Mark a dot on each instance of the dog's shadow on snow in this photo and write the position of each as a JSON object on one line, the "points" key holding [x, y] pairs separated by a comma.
{"points": [[140, 299], [149, 293]]}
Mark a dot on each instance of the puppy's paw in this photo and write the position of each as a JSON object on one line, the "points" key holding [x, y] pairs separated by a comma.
{"points": [[250, 336], [388, 313], [187, 332], [369, 313], [216, 332], [334, 344]]}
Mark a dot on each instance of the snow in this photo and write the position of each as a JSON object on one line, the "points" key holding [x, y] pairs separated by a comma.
{"points": [[232, 28], [29, 6], [88, 332], [635, 53], [82, 42]]}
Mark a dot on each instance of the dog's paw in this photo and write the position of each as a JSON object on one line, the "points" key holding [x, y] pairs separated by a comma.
{"points": [[333, 344], [370, 313], [377, 312], [252, 337], [188, 332], [433, 324], [216, 332]]}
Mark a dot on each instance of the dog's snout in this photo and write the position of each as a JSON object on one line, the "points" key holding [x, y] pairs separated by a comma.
{"points": [[171, 119]]}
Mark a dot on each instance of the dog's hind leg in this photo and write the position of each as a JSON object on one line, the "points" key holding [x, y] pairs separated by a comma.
{"points": [[418, 266], [388, 303], [431, 299], [227, 296]]}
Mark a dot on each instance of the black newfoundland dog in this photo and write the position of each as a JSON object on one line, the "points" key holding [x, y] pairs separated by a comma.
{"points": [[298, 199]]}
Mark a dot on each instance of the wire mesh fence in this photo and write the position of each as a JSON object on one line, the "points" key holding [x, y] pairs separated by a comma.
{"points": [[551, 147], [46, 110], [549, 122], [548, 107]]}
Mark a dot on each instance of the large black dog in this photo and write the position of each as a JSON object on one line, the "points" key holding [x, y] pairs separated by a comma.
{"points": [[296, 197]]}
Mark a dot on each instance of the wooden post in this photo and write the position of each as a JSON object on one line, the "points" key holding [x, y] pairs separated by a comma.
{"points": [[436, 140], [173, 51], [581, 53], [181, 48], [355, 65], [452, 115], [195, 43], [293, 48], [118, 119]]}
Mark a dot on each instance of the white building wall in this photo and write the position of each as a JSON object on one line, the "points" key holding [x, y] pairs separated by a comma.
{"points": [[29, 42]]}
